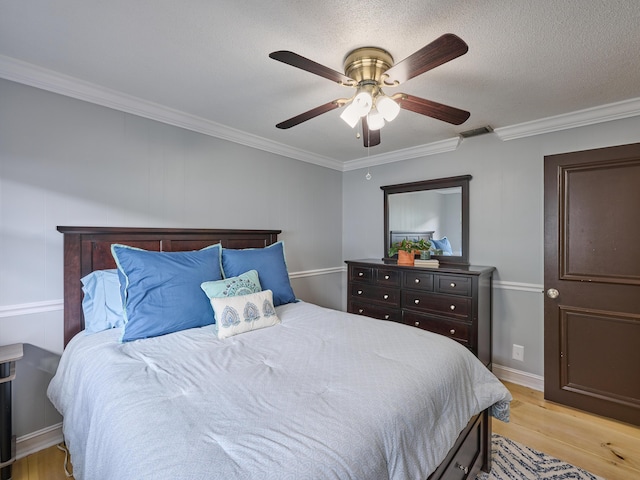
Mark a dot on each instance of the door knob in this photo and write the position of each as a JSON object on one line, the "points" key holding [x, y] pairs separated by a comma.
{"points": [[553, 293]]}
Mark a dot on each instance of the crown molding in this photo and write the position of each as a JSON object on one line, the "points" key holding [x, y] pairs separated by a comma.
{"points": [[34, 76], [580, 118], [433, 148], [42, 78]]}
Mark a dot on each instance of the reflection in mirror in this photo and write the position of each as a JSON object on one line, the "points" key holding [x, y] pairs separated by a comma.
{"points": [[436, 210], [430, 214]]}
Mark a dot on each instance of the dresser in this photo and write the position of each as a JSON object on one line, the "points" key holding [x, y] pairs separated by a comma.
{"points": [[454, 301]]}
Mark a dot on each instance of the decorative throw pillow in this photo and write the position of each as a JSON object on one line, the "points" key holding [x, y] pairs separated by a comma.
{"points": [[442, 244], [161, 290], [270, 264], [244, 284], [244, 313], [101, 303]]}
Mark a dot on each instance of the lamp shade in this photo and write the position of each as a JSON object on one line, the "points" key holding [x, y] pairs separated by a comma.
{"points": [[350, 115], [387, 107], [363, 102], [375, 120]]}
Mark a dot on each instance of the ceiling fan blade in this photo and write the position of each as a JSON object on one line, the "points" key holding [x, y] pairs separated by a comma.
{"points": [[431, 109], [370, 137], [303, 63], [308, 115], [441, 50]]}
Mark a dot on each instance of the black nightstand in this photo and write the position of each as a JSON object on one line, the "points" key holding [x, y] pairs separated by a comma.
{"points": [[9, 354]]}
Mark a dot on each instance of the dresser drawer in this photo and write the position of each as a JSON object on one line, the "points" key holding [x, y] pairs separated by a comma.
{"points": [[448, 305], [466, 462], [361, 274], [381, 295], [388, 277], [454, 301], [449, 328], [376, 311], [417, 280], [453, 285]]}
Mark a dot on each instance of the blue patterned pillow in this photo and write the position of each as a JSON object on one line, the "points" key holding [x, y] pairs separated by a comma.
{"points": [[244, 284], [244, 313], [271, 267], [161, 290]]}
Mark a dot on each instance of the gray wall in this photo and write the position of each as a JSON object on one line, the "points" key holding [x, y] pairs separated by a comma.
{"points": [[68, 162], [506, 219]]}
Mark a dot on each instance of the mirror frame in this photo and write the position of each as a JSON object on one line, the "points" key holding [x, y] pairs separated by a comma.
{"points": [[438, 183]]}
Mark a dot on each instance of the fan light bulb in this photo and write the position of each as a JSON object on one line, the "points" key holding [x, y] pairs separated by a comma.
{"points": [[387, 107], [362, 102], [350, 115], [375, 120]]}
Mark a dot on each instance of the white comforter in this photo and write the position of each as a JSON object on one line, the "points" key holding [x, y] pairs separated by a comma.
{"points": [[323, 395]]}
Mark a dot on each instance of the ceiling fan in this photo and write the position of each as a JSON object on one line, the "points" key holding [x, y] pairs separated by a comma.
{"points": [[369, 69]]}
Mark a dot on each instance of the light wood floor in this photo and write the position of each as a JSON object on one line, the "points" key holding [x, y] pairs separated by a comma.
{"points": [[604, 447]]}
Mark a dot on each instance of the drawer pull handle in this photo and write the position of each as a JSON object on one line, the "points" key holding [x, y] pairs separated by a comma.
{"points": [[361, 274], [452, 331], [452, 307], [417, 324], [463, 468], [452, 285], [417, 280], [416, 301], [361, 310], [359, 292], [385, 296], [386, 277], [386, 317]]}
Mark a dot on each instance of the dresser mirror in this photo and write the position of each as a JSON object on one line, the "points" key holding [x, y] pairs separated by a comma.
{"points": [[435, 210]]}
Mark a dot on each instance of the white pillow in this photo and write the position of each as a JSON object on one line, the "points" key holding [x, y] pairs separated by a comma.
{"points": [[244, 313]]}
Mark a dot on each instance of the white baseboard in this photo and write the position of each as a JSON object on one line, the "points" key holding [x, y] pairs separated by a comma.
{"points": [[536, 382], [39, 440]]}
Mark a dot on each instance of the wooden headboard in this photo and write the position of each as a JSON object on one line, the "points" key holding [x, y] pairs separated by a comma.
{"points": [[89, 248]]}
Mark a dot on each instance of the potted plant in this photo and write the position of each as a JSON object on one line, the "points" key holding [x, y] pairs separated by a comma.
{"points": [[406, 250]]}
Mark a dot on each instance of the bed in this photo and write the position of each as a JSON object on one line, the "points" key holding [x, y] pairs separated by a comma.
{"points": [[319, 394]]}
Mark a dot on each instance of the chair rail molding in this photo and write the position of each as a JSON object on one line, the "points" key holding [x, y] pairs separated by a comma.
{"points": [[30, 308], [58, 304]]}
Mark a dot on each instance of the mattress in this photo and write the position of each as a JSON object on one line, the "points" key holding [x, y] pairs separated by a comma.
{"points": [[322, 395]]}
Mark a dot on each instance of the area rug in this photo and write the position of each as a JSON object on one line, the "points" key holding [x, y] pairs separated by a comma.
{"points": [[511, 460]]}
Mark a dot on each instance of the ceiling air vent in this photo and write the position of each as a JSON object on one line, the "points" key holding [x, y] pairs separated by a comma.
{"points": [[476, 131]]}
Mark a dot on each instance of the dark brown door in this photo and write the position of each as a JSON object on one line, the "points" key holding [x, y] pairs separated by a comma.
{"points": [[592, 281]]}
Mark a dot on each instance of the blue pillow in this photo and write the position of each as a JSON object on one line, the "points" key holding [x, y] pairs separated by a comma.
{"points": [[244, 284], [161, 290], [271, 267], [442, 244], [101, 303]]}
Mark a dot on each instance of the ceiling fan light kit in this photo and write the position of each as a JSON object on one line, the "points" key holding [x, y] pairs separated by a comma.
{"points": [[350, 115], [375, 120], [368, 69], [387, 107]]}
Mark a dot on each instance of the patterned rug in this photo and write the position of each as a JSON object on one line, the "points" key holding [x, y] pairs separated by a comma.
{"points": [[511, 461]]}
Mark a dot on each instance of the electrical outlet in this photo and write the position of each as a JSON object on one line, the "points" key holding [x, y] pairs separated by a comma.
{"points": [[518, 352]]}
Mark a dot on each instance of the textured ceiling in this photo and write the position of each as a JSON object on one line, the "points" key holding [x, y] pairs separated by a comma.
{"points": [[527, 60]]}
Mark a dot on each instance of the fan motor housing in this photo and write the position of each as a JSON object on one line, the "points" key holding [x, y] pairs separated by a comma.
{"points": [[367, 63]]}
